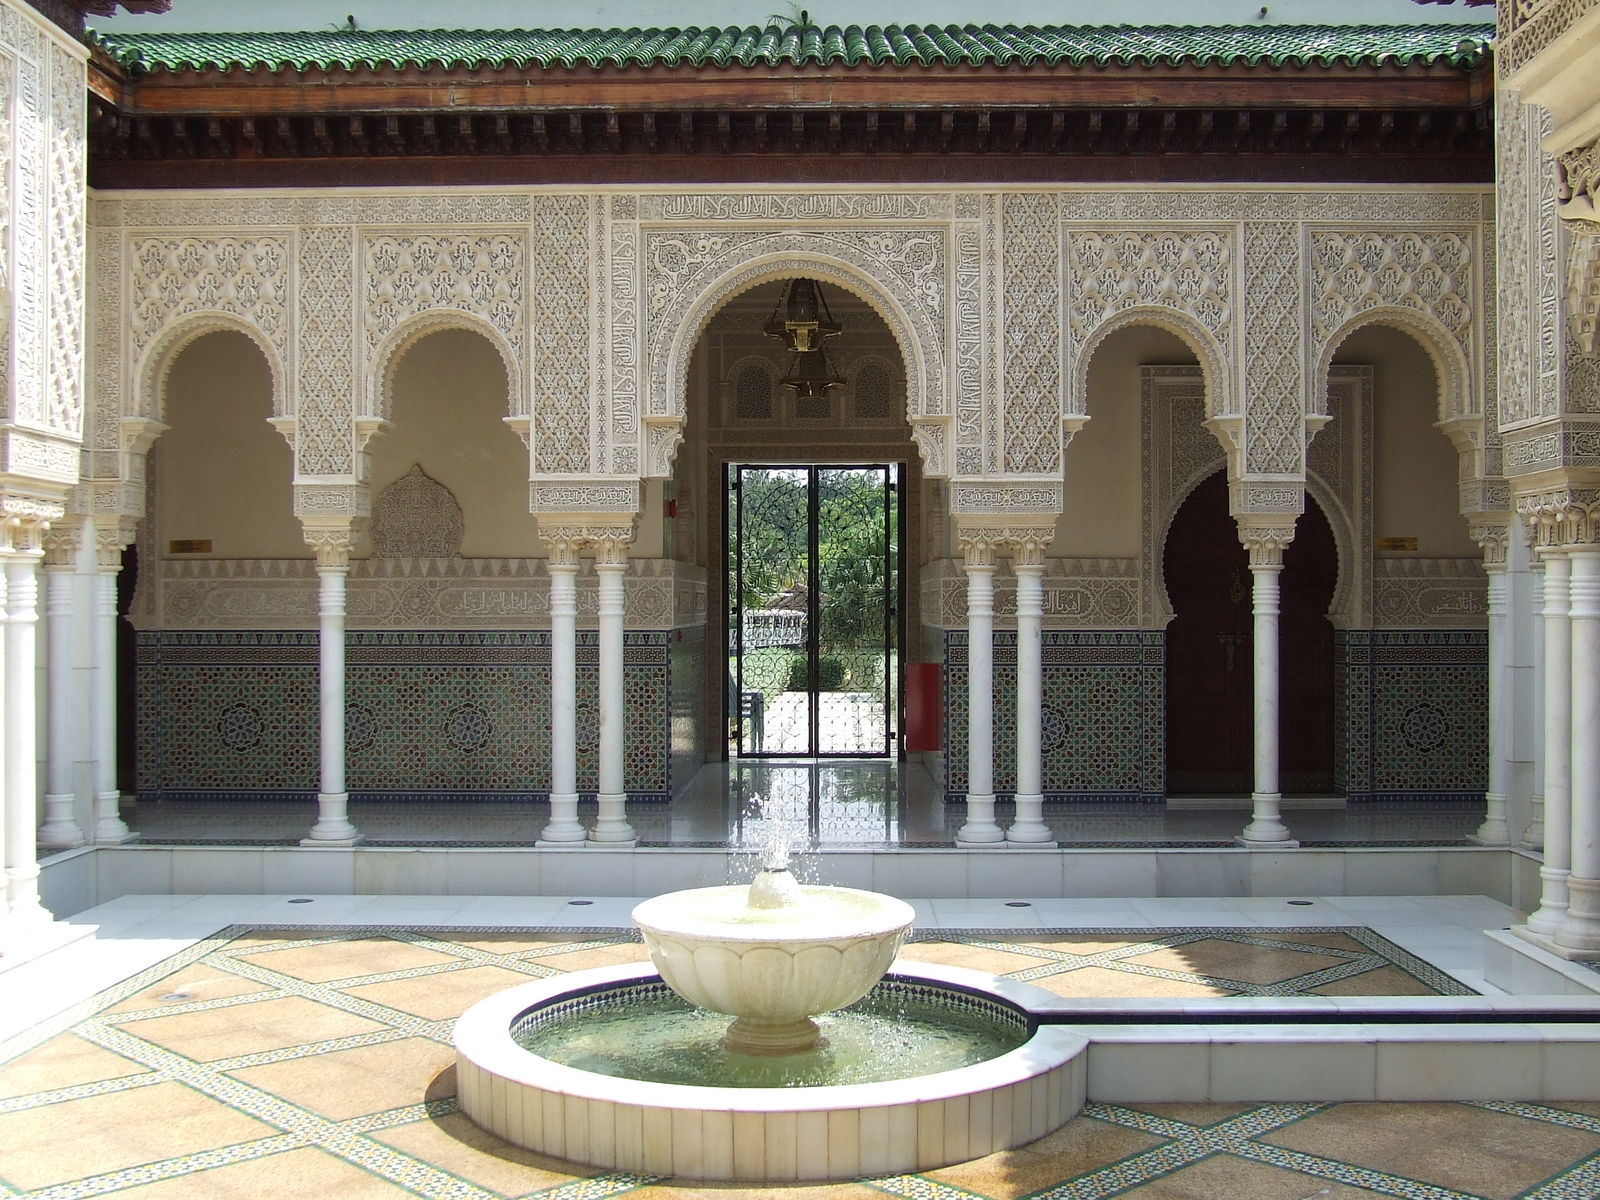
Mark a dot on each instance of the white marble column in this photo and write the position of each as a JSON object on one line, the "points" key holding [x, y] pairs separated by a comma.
{"points": [[563, 828], [109, 828], [60, 829], [20, 738], [332, 827], [1495, 831], [1579, 933], [1266, 545], [1557, 684], [980, 828], [1029, 828], [611, 566], [1533, 832]]}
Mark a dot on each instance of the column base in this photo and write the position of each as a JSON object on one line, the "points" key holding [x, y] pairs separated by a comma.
{"points": [[1024, 844], [1547, 943], [1266, 827], [312, 842], [627, 843], [25, 912], [109, 827], [1250, 843], [59, 835], [1552, 910], [545, 843], [1494, 831], [1579, 936]]}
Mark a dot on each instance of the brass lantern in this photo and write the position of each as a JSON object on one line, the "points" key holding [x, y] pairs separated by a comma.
{"points": [[803, 322]]}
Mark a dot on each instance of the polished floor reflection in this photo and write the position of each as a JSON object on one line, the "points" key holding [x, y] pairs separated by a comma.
{"points": [[862, 804]]}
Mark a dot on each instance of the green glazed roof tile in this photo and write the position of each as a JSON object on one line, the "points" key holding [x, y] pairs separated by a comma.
{"points": [[794, 45]]}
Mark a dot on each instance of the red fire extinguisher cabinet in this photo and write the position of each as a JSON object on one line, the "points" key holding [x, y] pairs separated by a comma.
{"points": [[924, 705]]}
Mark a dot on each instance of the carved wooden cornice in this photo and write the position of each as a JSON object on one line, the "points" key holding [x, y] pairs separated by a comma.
{"points": [[142, 145]]}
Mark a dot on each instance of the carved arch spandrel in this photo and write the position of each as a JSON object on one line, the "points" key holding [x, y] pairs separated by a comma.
{"points": [[672, 334]]}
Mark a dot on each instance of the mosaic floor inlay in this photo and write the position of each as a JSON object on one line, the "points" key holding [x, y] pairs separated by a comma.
{"points": [[316, 1062]]}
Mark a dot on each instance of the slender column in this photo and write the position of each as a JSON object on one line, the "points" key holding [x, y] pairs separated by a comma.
{"points": [[1029, 827], [980, 829], [21, 727], [563, 828], [109, 828], [1494, 831], [333, 827], [1580, 928], [1557, 681], [1266, 545], [60, 829], [1533, 832], [611, 565]]}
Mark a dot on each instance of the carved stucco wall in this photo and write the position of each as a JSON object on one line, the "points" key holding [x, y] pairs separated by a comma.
{"points": [[596, 302], [42, 259]]}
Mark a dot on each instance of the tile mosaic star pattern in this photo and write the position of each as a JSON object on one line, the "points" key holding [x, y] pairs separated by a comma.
{"points": [[315, 1062]]}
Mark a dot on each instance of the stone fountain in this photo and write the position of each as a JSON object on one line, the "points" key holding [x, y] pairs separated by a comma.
{"points": [[776, 956]]}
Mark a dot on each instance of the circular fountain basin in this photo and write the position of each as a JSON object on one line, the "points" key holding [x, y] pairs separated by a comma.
{"points": [[776, 967], [764, 1134]]}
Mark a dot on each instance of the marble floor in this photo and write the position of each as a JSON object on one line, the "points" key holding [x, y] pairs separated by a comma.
{"points": [[214, 1047], [860, 804]]}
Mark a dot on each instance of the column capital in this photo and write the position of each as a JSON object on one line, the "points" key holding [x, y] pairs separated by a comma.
{"points": [[330, 541], [1567, 516], [62, 541], [978, 546], [1265, 537], [1492, 532], [611, 545], [1029, 543], [111, 538]]}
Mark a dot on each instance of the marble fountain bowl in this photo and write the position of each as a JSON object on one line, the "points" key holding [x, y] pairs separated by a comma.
{"points": [[773, 966]]}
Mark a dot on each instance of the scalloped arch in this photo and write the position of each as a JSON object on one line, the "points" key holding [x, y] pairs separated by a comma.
{"points": [[154, 369], [403, 338], [1182, 326], [673, 335], [1447, 353], [1344, 539]]}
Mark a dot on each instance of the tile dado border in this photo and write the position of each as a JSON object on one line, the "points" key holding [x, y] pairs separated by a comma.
{"points": [[1104, 719], [434, 716], [422, 593]]}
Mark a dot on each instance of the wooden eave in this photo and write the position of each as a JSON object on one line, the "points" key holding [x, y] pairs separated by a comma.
{"points": [[632, 89]]}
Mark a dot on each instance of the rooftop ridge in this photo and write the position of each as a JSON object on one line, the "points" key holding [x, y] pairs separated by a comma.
{"points": [[771, 45]]}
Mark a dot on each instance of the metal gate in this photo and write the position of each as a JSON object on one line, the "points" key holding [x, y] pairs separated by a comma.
{"points": [[813, 614]]}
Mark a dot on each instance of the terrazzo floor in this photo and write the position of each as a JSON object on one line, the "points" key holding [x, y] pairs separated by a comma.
{"points": [[303, 1051]]}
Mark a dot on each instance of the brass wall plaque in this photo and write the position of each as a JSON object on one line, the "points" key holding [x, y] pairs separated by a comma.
{"points": [[1395, 543], [189, 546]]}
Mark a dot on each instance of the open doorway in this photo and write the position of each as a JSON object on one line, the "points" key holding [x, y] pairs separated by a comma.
{"points": [[813, 580]]}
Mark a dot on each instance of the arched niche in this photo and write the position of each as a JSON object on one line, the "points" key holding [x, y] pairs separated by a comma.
{"points": [[222, 476], [447, 400]]}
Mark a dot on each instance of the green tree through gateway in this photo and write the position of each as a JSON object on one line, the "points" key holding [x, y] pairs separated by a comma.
{"points": [[813, 569]]}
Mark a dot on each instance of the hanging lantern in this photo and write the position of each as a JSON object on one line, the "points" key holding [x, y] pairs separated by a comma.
{"points": [[801, 320]]}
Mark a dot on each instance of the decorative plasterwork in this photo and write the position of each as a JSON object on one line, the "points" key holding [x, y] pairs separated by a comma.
{"points": [[1031, 315], [564, 356], [1180, 279], [689, 272], [414, 593], [1004, 499], [1421, 282], [1580, 188], [1530, 27], [1079, 593], [1274, 350], [1179, 452], [1433, 593], [416, 516], [1562, 516], [584, 496], [1583, 293]]}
